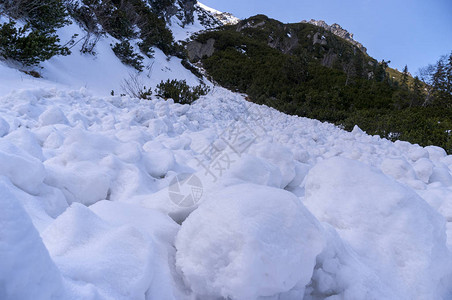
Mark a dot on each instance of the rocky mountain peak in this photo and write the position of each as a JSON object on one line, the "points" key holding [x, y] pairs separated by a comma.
{"points": [[224, 18], [336, 29]]}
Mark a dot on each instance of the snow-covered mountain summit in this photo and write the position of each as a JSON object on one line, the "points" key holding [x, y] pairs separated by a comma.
{"points": [[224, 17]]}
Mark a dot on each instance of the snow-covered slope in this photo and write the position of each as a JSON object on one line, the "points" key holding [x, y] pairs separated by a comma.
{"points": [[103, 72], [109, 197]]}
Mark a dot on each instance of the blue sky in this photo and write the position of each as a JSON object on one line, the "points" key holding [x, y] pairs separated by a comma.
{"points": [[411, 32]]}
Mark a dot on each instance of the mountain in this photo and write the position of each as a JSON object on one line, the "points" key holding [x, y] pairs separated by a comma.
{"points": [[116, 184], [306, 70]]}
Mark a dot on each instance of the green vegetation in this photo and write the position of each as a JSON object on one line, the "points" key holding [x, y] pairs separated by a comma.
{"points": [[180, 91], [283, 66], [42, 15], [121, 18], [124, 52], [26, 46], [36, 41]]}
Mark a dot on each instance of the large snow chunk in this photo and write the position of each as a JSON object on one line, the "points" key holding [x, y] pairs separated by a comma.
{"points": [[435, 152], [53, 115], [252, 169], [442, 174], [417, 153], [25, 171], [339, 274], [158, 163], [248, 241], [279, 156], [424, 169], [398, 168], [83, 182], [26, 141], [153, 222], [26, 270], [159, 227], [88, 250], [389, 225], [4, 127]]}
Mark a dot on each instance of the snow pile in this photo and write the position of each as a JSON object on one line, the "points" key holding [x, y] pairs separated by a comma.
{"points": [[27, 271], [248, 241], [282, 207], [388, 225]]}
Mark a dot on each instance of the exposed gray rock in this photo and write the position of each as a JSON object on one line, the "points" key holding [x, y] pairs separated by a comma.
{"points": [[249, 24], [319, 39], [329, 59], [336, 29], [187, 13], [285, 44], [197, 50]]}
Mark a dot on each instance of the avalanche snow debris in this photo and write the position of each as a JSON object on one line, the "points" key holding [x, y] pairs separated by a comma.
{"points": [[361, 217], [301, 210]]}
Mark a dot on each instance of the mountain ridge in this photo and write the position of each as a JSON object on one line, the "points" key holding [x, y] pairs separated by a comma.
{"points": [[339, 31]]}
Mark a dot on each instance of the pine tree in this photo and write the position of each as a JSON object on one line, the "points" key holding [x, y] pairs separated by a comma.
{"points": [[439, 83], [42, 15], [26, 46], [417, 96], [404, 82], [449, 75]]}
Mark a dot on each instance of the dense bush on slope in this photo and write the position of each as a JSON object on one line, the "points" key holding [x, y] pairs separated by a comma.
{"points": [[124, 52], [121, 19], [301, 69], [36, 41], [26, 46], [43, 15], [180, 91]]}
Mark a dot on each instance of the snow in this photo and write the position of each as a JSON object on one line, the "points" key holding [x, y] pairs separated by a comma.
{"points": [[100, 73], [264, 243], [387, 224], [27, 271], [360, 217], [282, 207]]}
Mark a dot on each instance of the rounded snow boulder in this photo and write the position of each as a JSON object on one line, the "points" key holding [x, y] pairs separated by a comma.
{"points": [[24, 171], [4, 127], [26, 270], [386, 223], [248, 241], [53, 115], [116, 260], [278, 155]]}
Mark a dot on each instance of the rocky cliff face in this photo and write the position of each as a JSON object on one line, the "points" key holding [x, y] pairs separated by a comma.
{"points": [[336, 29]]}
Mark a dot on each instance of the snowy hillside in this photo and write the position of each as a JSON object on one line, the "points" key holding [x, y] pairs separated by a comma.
{"points": [[103, 72], [110, 197]]}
